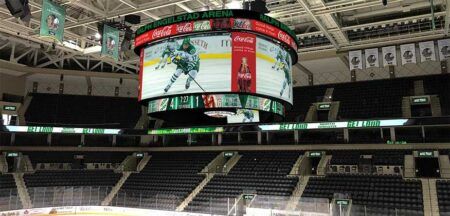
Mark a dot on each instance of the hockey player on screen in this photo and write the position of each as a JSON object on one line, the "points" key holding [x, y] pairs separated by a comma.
{"points": [[285, 67], [168, 51], [248, 116], [281, 58], [187, 61]]}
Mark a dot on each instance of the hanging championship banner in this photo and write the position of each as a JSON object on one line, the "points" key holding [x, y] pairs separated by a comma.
{"points": [[427, 52], [371, 56], [408, 52], [110, 42], [444, 49], [52, 21], [389, 56], [355, 59]]}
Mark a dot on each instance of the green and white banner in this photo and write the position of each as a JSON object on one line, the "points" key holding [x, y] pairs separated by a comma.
{"points": [[186, 130], [52, 21], [110, 42], [45, 129], [330, 125]]}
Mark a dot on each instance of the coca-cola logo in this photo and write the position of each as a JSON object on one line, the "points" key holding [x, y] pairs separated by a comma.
{"points": [[283, 36], [185, 27], [162, 32], [244, 39]]}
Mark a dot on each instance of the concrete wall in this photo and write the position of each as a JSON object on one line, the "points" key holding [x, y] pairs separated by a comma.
{"points": [[11, 85]]}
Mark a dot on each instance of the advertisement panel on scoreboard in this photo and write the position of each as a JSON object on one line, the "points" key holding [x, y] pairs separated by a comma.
{"points": [[187, 65], [274, 66]]}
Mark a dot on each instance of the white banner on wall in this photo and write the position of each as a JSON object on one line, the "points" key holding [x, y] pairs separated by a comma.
{"points": [[427, 51], [408, 53], [96, 210], [444, 49], [389, 56], [371, 56], [355, 59]]}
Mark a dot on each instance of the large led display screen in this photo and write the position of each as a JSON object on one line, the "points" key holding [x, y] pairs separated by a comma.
{"points": [[237, 62]]}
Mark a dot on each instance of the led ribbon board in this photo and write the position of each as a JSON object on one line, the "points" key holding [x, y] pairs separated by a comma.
{"points": [[186, 130], [214, 101], [64, 130], [330, 125], [214, 20]]}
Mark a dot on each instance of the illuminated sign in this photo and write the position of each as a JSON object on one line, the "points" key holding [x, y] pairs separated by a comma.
{"points": [[342, 202], [315, 154], [186, 130], [324, 106], [228, 154], [9, 108], [248, 196], [425, 153], [12, 154], [420, 100], [330, 125], [46, 129]]}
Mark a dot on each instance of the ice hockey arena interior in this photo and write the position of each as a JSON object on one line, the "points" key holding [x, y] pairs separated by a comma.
{"points": [[225, 107]]}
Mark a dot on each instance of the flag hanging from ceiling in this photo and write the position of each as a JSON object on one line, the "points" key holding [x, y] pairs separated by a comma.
{"points": [[444, 49], [427, 51], [389, 56], [355, 59], [371, 56], [52, 21], [110, 42], [408, 52]]}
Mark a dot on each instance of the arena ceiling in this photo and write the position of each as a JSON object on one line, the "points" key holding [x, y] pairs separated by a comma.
{"points": [[326, 28]]}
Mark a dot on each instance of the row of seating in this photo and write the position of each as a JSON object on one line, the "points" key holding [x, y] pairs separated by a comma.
{"points": [[376, 99], [261, 173], [166, 181], [380, 191]]}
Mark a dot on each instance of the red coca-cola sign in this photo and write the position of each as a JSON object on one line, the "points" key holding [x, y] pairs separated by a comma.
{"points": [[244, 39], [284, 37], [162, 32], [185, 27]]}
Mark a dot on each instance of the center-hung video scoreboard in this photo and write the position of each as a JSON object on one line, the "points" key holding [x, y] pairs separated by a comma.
{"points": [[226, 59]]}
